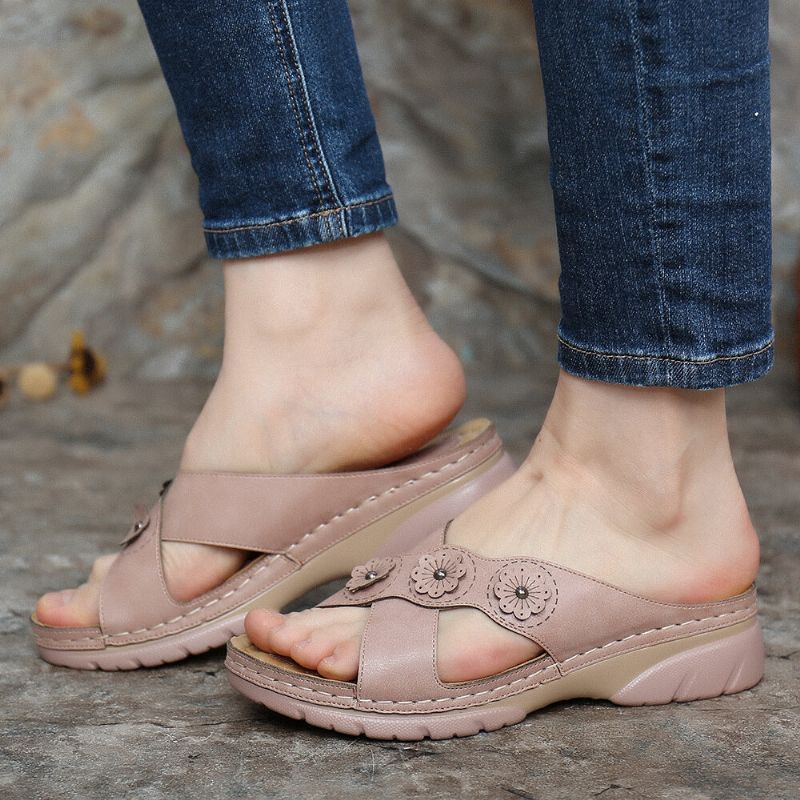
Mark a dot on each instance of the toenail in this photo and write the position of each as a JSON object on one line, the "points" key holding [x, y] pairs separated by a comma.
{"points": [[59, 598]]}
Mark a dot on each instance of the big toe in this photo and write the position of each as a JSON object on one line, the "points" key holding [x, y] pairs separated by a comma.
{"points": [[70, 608], [75, 608], [259, 623]]}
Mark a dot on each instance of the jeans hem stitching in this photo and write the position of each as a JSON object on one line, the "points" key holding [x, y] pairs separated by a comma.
{"points": [[699, 362], [300, 218]]}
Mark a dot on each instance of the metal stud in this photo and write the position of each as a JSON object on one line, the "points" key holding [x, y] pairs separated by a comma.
{"points": [[371, 575], [440, 574], [521, 592]]}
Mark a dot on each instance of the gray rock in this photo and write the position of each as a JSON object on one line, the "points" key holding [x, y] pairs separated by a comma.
{"points": [[99, 226]]}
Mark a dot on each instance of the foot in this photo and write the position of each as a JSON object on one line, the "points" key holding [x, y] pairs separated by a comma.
{"points": [[329, 365], [633, 486]]}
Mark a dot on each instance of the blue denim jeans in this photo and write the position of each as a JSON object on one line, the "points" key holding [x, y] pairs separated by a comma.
{"points": [[658, 120]]}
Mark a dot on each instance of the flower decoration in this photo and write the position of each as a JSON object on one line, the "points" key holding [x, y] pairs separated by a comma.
{"points": [[4, 388], [522, 590], [367, 574], [87, 367], [439, 572]]}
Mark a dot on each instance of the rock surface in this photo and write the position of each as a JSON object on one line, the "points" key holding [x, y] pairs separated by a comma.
{"points": [[69, 480], [98, 221]]}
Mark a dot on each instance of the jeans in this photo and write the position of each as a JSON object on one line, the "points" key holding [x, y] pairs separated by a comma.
{"points": [[658, 124]]}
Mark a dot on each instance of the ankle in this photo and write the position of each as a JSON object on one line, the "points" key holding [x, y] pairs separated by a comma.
{"points": [[331, 290], [652, 468], [660, 448]]}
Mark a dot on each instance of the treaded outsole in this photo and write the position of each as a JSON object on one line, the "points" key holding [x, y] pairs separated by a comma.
{"points": [[724, 666], [447, 725], [158, 654]]}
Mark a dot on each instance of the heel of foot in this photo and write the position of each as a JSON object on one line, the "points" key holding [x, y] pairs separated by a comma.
{"points": [[723, 666]]}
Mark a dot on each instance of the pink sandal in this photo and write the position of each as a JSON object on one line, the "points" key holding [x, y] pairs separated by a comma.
{"points": [[599, 642], [304, 530]]}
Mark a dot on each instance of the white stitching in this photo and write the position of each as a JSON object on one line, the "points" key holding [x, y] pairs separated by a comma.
{"points": [[645, 633], [316, 530], [504, 686]]}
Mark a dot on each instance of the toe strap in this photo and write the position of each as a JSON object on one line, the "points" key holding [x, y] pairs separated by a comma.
{"points": [[134, 597], [397, 668]]}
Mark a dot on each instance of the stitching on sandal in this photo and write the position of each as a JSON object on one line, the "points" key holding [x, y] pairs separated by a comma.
{"points": [[312, 532], [495, 689]]}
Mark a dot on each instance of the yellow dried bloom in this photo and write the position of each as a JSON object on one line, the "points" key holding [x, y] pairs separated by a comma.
{"points": [[5, 389], [87, 367]]}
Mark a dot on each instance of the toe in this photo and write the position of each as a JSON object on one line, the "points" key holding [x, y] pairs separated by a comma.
{"points": [[76, 608], [283, 637], [258, 624], [101, 567], [70, 608], [321, 643], [342, 664]]}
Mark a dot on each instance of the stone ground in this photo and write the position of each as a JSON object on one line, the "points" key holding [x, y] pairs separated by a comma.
{"points": [[71, 473]]}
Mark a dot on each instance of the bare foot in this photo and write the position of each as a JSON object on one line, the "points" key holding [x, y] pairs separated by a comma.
{"points": [[329, 365], [633, 486]]}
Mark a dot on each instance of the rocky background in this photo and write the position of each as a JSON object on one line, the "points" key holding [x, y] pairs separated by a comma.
{"points": [[99, 227]]}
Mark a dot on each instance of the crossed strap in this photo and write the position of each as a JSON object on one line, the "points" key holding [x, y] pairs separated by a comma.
{"points": [[566, 613]]}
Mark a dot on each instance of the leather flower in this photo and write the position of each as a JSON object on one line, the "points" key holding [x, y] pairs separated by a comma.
{"points": [[439, 572], [522, 590], [371, 572]]}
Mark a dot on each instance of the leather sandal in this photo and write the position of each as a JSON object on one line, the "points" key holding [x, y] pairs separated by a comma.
{"points": [[303, 531], [598, 642]]}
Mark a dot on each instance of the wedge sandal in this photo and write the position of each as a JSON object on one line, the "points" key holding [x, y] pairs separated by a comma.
{"points": [[303, 531], [598, 642]]}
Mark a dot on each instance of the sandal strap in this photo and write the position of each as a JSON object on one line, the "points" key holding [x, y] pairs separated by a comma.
{"points": [[294, 517], [269, 513], [563, 611], [133, 592], [394, 667]]}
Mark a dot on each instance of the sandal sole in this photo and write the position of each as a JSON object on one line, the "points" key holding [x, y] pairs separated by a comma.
{"points": [[702, 666]]}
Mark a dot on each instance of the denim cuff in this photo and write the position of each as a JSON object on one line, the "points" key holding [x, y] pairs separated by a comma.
{"points": [[642, 370], [260, 239]]}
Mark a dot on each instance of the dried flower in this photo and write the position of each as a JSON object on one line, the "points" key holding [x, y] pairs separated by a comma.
{"points": [[37, 380], [4, 388], [87, 367]]}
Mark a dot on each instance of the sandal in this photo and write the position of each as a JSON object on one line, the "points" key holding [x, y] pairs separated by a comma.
{"points": [[599, 642], [304, 531]]}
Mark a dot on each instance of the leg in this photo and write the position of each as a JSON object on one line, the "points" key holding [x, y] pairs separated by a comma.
{"points": [[329, 363], [664, 243]]}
